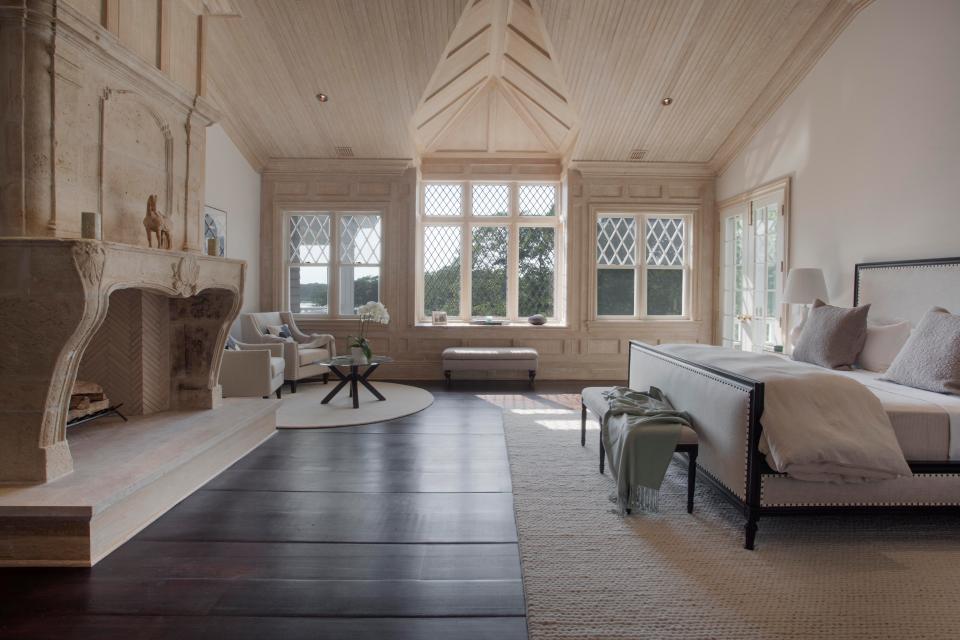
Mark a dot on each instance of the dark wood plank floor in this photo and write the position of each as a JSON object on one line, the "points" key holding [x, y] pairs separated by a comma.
{"points": [[396, 530]]}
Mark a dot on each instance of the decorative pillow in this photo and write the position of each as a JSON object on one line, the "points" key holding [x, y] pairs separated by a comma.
{"points": [[832, 336], [232, 344], [931, 357], [882, 345], [285, 331], [274, 329]]}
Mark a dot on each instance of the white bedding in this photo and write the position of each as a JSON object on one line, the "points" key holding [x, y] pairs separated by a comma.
{"points": [[904, 397], [817, 426]]}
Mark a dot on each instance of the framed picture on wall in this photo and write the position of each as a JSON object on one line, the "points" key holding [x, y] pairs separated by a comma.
{"points": [[215, 226]]}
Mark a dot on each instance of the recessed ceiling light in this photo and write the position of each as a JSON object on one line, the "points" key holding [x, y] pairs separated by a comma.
{"points": [[322, 97], [667, 102]]}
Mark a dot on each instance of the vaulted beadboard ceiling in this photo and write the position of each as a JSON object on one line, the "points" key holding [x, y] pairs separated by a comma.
{"points": [[727, 64]]}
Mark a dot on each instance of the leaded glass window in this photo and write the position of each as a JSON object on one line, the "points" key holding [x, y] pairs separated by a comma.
{"points": [[352, 258], [644, 276], [501, 258]]}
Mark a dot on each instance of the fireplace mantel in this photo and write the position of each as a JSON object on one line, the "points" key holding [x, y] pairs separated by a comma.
{"points": [[54, 296]]}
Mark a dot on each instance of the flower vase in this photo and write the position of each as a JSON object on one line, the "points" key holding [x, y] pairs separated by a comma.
{"points": [[358, 356]]}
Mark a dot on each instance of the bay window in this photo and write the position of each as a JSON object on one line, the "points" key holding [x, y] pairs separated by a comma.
{"points": [[489, 249]]}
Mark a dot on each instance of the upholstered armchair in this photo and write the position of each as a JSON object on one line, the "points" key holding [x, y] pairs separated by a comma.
{"points": [[302, 353], [252, 370]]}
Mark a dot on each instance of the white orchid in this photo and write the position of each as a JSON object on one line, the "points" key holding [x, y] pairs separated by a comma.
{"points": [[374, 312], [370, 312]]}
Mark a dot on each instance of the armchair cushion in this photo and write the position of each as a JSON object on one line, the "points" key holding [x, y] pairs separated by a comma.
{"points": [[309, 356]]}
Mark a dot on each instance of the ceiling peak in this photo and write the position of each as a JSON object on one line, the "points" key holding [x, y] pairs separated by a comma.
{"points": [[497, 89]]}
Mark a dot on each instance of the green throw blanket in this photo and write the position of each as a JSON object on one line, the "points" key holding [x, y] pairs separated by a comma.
{"points": [[640, 431]]}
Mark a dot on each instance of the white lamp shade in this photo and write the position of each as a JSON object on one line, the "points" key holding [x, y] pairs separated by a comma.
{"points": [[804, 286]]}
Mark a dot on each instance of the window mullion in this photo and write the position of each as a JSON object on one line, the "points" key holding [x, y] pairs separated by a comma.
{"points": [[640, 295], [513, 271]]}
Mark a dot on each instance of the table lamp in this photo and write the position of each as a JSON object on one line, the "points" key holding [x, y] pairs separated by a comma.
{"points": [[803, 287]]}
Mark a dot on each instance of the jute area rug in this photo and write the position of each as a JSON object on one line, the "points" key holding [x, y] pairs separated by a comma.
{"points": [[302, 410], [588, 573]]}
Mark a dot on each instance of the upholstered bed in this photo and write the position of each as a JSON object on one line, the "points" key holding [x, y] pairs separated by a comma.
{"points": [[727, 409]]}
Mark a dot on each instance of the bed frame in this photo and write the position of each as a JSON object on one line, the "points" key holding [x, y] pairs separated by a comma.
{"points": [[730, 409]]}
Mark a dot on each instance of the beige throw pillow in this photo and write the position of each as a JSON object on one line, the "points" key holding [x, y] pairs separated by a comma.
{"points": [[832, 337], [882, 345], [931, 357]]}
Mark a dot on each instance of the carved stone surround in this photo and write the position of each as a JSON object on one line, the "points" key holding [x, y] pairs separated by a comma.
{"points": [[54, 297]]}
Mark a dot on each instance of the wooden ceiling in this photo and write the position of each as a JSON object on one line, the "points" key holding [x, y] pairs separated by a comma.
{"points": [[727, 64]]}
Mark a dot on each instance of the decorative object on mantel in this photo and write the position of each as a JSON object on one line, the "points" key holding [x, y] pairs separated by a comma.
{"points": [[439, 317], [359, 346], [215, 228], [537, 319], [90, 225], [212, 247], [156, 223], [803, 287]]}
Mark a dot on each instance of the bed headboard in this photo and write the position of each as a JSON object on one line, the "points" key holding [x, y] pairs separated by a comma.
{"points": [[907, 289]]}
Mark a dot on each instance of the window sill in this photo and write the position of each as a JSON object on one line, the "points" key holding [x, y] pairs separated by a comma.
{"points": [[512, 325], [615, 323]]}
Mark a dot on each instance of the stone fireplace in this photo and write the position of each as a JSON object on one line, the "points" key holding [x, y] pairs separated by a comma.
{"points": [[149, 325]]}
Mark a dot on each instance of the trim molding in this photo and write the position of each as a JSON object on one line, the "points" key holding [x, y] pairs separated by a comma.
{"points": [[335, 166], [649, 169]]}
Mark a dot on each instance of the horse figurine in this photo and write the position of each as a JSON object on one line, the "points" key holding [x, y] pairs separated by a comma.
{"points": [[155, 222]]}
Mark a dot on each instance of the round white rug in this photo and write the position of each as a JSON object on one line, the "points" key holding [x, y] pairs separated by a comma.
{"points": [[302, 410]]}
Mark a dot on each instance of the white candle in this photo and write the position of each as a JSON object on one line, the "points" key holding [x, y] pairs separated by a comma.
{"points": [[90, 225], [213, 247]]}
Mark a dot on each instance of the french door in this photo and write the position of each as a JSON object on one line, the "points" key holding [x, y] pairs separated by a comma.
{"points": [[753, 269]]}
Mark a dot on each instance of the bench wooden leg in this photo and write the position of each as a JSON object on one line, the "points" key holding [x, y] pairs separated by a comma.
{"points": [[533, 374], [691, 477], [583, 425], [446, 375]]}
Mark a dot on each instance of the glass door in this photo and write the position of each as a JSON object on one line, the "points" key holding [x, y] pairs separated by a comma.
{"points": [[753, 270], [734, 278]]}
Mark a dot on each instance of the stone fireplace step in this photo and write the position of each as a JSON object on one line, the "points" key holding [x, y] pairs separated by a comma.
{"points": [[126, 475]]}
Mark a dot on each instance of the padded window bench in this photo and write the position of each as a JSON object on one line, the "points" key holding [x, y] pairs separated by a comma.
{"points": [[490, 359]]}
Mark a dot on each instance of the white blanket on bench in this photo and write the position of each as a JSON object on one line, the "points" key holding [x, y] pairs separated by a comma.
{"points": [[817, 425]]}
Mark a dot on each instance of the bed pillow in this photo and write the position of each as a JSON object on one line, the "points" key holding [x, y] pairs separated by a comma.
{"points": [[931, 357], [882, 345], [832, 337]]}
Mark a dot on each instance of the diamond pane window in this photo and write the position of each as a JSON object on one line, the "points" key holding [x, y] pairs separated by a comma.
{"points": [[489, 271], [443, 200], [359, 239], [616, 241], [665, 242], [536, 270], [537, 200], [309, 239], [491, 199], [441, 269]]}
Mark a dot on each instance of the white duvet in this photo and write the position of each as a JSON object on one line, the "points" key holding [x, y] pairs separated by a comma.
{"points": [[817, 425]]}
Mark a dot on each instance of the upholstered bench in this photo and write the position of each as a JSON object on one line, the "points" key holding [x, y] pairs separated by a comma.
{"points": [[592, 398], [490, 359]]}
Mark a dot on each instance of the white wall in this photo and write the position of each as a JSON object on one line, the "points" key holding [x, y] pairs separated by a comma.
{"points": [[234, 186], [871, 138]]}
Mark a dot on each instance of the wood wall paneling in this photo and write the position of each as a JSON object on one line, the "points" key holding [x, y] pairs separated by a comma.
{"points": [[597, 346]]}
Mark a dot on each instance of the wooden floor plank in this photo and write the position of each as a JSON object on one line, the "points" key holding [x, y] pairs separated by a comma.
{"points": [[338, 517]]}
